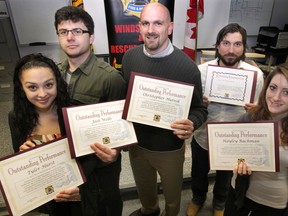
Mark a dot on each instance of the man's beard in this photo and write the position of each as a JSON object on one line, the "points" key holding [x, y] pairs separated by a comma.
{"points": [[230, 62], [154, 45]]}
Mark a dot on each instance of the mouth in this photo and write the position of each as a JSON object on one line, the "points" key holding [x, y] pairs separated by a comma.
{"points": [[43, 101], [152, 37], [230, 56], [275, 104], [72, 46]]}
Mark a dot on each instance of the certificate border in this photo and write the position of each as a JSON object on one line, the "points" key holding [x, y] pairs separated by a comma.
{"points": [[77, 153], [253, 88], [276, 137], [26, 152], [68, 131], [131, 87]]}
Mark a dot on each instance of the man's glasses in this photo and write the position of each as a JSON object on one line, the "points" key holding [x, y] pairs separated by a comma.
{"points": [[75, 32]]}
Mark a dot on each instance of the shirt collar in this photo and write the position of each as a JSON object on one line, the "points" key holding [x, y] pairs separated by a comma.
{"points": [[85, 67], [169, 49]]}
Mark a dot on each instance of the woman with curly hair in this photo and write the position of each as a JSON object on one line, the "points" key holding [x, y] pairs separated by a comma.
{"points": [[36, 117]]}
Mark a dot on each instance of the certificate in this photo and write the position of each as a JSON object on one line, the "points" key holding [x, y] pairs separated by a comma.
{"points": [[156, 102], [100, 123], [255, 142], [230, 85], [32, 178]]}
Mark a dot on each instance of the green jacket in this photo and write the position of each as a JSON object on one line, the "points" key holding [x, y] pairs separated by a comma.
{"points": [[94, 81]]}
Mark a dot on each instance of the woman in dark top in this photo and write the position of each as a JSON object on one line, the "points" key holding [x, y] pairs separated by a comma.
{"points": [[36, 117]]}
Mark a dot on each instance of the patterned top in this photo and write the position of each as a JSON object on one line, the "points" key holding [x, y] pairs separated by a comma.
{"points": [[40, 139]]}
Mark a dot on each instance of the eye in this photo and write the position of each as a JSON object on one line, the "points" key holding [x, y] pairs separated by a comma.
{"points": [[226, 43], [144, 23], [158, 23], [32, 88], [63, 32], [285, 92], [272, 87], [49, 85], [238, 44], [77, 31]]}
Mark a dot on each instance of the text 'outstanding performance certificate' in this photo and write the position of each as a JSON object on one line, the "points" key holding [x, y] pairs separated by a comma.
{"points": [[230, 85], [34, 177], [156, 102], [102, 123], [255, 142]]}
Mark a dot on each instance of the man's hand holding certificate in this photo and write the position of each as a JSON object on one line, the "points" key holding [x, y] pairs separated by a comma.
{"points": [[101, 123], [156, 102], [230, 85]]}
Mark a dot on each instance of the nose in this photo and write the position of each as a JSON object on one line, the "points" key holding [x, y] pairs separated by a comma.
{"points": [[70, 35], [150, 28], [42, 92], [277, 95], [231, 48]]}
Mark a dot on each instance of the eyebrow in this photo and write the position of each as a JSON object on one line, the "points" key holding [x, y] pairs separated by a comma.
{"points": [[49, 80], [231, 41]]}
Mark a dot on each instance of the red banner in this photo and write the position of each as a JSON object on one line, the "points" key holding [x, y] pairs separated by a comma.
{"points": [[122, 17]]}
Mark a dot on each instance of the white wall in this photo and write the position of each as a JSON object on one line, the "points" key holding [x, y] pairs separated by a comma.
{"points": [[216, 15]]}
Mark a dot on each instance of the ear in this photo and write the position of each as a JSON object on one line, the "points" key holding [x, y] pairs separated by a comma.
{"points": [[170, 28], [92, 38]]}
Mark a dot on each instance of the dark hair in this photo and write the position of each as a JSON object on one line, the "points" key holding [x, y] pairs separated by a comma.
{"points": [[231, 28], [261, 111], [75, 14], [25, 116]]}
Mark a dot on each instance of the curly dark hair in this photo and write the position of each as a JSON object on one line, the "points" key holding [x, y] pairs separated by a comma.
{"points": [[25, 116], [75, 14], [261, 111]]}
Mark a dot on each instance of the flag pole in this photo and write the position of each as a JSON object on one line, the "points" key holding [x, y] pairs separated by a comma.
{"points": [[196, 39]]}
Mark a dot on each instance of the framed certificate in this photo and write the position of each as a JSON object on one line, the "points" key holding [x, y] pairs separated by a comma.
{"points": [[101, 122], [256, 142], [157, 102], [230, 85], [31, 178]]}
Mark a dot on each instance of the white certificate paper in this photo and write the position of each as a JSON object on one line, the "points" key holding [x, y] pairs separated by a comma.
{"points": [[157, 102], [230, 85], [256, 142], [100, 123], [32, 178]]}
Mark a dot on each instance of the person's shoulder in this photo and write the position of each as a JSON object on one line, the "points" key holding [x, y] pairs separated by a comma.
{"points": [[180, 54], [205, 64], [248, 66], [106, 67], [108, 71], [62, 65], [134, 49]]}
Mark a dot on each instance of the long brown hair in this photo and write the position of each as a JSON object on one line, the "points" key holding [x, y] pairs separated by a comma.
{"points": [[261, 111]]}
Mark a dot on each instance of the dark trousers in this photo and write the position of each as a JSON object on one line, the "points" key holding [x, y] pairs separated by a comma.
{"points": [[200, 181], [72, 208], [250, 208], [100, 194]]}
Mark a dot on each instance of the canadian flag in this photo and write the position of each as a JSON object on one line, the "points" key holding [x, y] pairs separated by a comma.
{"points": [[195, 11]]}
